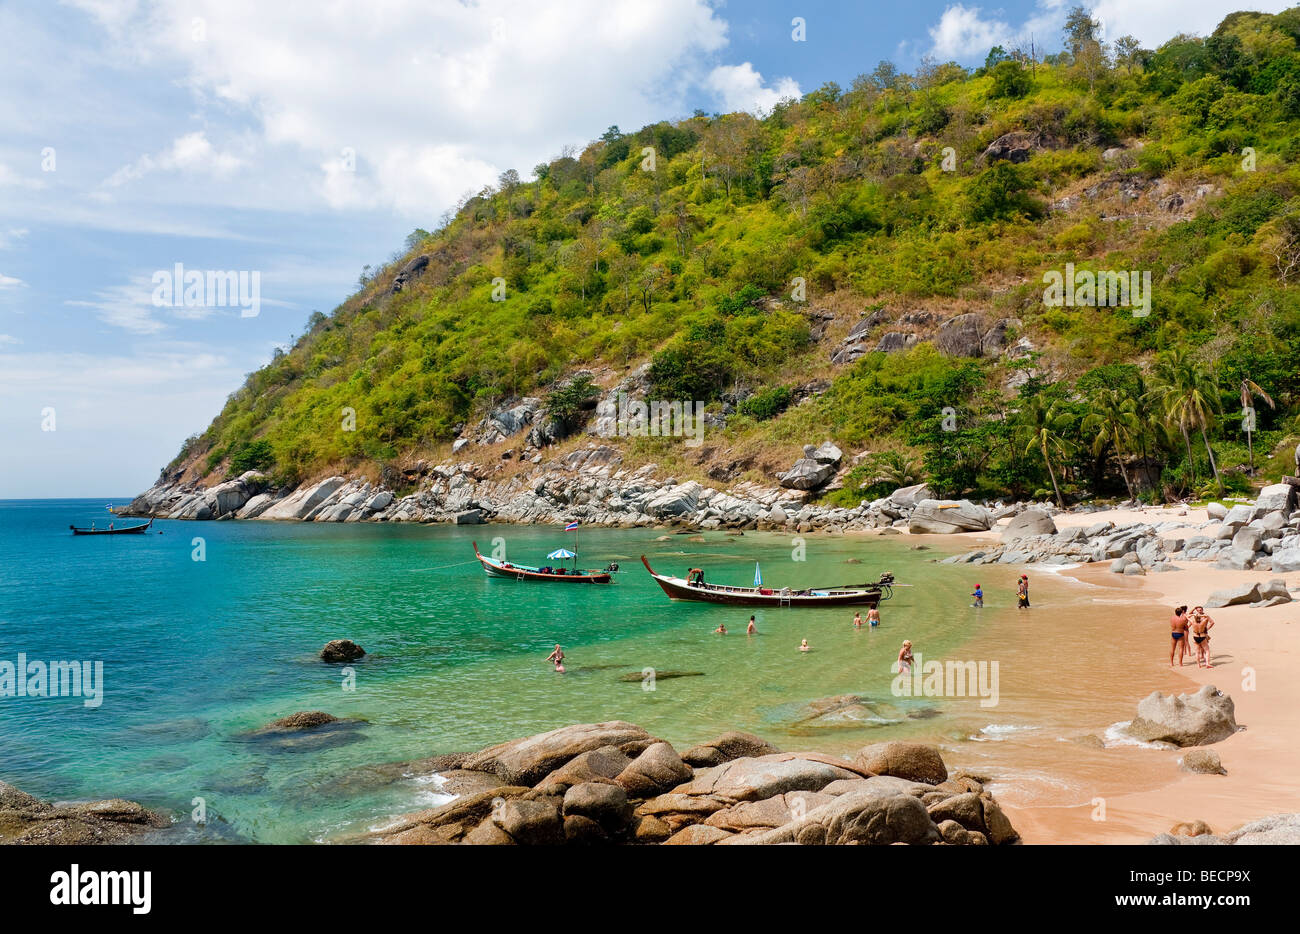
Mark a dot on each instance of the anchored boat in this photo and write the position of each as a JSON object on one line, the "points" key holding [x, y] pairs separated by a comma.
{"points": [[130, 530], [693, 587], [494, 567]]}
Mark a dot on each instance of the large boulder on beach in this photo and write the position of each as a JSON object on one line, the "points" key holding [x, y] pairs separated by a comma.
{"points": [[909, 496], [25, 820], [807, 474], [730, 745], [1276, 497], [341, 650], [766, 777], [1208, 716], [915, 762], [1030, 522], [526, 761], [943, 517], [1287, 559], [1203, 762], [1232, 596], [655, 771], [864, 817]]}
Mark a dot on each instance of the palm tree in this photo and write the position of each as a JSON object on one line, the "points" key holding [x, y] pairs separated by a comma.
{"points": [[1044, 424], [1250, 389], [1113, 422], [1187, 398]]}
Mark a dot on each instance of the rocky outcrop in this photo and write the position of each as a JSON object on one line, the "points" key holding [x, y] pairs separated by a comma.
{"points": [[341, 650], [728, 746], [915, 762], [1028, 523], [1277, 830], [767, 798], [1208, 716], [944, 517], [25, 820], [814, 469]]}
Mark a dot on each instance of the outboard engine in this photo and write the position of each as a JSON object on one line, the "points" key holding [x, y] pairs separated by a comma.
{"points": [[612, 568]]}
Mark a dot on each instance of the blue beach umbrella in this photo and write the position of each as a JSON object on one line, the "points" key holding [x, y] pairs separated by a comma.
{"points": [[561, 553]]}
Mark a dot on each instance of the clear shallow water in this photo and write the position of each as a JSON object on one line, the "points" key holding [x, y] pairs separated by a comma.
{"points": [[196, 654]]}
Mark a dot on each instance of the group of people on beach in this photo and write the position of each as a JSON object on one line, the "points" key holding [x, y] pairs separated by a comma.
{"points": [[1022, 594], [1195, 626]]}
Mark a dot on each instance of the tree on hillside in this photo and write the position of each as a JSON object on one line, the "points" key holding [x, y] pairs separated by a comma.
{"points": [[732, 141], [1080, 29], [1129, 53], [1044, 425], [1112, 423], [1249, 390], [1187, 400]]}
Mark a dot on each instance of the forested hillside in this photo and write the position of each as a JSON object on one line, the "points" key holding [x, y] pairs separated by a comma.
{"points": [[800, 274]]}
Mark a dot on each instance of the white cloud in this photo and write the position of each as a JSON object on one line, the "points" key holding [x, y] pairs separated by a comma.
{"points": [[1154, 22], [9, 237], [433, 99], [190, 153], [8, 339], [9, 282], [741, 87], [962, 33], [128, 306]]}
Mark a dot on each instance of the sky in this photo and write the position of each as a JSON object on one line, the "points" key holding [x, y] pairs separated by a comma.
{"points": [[296, 142]]}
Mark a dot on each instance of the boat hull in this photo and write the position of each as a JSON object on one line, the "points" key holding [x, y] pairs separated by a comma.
{"points": [[133, 530], [494, 568], [678, 589]]}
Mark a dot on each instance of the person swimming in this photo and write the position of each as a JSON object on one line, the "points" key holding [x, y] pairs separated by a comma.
{"points": [[873, 616], [722, 629], [804, 646], [1177, 632], [751, 629], [905, 659]]}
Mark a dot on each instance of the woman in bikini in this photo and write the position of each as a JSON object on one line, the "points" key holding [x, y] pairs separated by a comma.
{"points": [[905, 657], [1178, 635], [1200, 630], [873, 616], [558, 657]]}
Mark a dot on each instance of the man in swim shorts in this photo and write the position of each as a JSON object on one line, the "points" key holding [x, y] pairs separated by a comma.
{"points": [[1178, 634]]}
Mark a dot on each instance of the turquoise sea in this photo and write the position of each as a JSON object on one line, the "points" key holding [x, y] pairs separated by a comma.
{"points": [[198, 653]]}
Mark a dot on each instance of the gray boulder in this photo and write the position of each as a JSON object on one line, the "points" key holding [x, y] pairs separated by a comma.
{"points": [[766, 777], [1276, 497], [807, 474], [526, 761], [947, 517], [1030, 522], [1234, 596], [1198, 719], [859, 817]]}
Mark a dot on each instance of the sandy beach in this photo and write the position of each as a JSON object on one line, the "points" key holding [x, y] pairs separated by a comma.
{"points": [[1122, 652]]}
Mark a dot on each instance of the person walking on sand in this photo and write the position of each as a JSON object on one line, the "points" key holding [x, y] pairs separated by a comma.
{"points": [[751, 629], [978, 594], [873, 617], [905, 657], [1178, 635], [1200, 625], [857, 620], [558, 657]]}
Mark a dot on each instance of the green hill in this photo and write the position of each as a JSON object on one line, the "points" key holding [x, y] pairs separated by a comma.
{"points": [[734, 255]]}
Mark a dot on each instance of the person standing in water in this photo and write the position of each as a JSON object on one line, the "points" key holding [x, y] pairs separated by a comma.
{"points": [[905, 657], [751, 629], [1178, 635], [558, 657], [978, 594], [1022, 592], [804, 646], [873, 616], [857, 620]]}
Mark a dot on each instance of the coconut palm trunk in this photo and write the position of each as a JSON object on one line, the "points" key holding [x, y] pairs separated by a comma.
{"points": [[1213, 466]]}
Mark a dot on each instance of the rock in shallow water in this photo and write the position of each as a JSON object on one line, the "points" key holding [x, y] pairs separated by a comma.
{"points": [[1185, 719]]}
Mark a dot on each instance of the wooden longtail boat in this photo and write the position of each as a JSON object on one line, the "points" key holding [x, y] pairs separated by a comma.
{"points": [[522, 572], [130, 530], [693, 587]]}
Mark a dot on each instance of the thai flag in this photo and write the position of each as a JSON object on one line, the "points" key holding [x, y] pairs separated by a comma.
{"points": [[571, 526]]}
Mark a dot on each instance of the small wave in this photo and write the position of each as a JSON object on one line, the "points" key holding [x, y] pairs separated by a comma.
{"points": [[1117, 735]]}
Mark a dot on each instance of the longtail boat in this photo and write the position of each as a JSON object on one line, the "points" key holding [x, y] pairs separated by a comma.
{"points": [[495, 567], [693, 587], [129, 530]]}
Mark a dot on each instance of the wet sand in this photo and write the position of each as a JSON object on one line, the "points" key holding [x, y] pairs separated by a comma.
{"points": [[1073, 670]]}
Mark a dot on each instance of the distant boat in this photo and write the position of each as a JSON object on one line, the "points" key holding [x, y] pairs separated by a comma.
{"points": [[495, 567], [130, 530], [693, 587]]}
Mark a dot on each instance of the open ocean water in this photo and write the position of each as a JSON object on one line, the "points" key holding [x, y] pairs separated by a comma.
{"points": [[196, 654]]}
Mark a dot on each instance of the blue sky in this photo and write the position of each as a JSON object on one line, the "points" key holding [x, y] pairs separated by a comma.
{"points": [[302, 141]]}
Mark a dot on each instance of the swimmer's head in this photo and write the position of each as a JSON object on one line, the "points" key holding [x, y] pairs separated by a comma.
{"points": [[907, 642]]}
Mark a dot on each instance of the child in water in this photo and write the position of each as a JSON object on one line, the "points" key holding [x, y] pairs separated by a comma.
{"points": [[803, 646], [857, 620], [979, 597], [905, 657], [751, 629], [722, 629]]}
